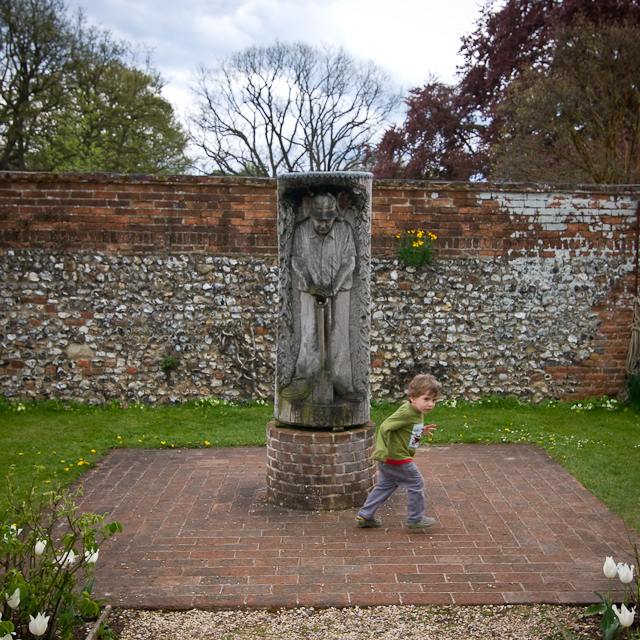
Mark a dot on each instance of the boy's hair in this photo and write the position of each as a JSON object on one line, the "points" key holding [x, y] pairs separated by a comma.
{"points": [[424, 384]]}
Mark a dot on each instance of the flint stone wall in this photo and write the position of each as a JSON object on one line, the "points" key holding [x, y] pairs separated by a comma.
{"points": [[103, 277]]}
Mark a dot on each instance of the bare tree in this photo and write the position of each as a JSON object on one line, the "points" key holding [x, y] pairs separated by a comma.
{"points": [[289, 107]]}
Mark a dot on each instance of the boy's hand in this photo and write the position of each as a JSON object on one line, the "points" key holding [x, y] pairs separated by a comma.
{"points": [[428, 429]]}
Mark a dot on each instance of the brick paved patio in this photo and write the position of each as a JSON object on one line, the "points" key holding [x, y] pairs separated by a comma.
{"points": [[514, 527]]}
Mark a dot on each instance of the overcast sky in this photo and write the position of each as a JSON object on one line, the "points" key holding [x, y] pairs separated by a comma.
{"points": [[408, 38]]}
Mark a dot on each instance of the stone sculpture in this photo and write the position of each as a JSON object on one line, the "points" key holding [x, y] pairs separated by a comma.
{"points": [[322, 376]]}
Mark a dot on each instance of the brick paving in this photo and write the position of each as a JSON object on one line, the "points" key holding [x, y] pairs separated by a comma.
{"points": [[514, 527]]}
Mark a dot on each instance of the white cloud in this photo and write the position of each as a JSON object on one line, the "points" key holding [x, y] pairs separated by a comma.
{"points": [[411, 39]]}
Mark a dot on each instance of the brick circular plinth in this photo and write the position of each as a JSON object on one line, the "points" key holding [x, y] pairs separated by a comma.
{"points": [[319, 470]]}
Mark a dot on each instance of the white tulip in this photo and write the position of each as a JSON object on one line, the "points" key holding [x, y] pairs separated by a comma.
{"points": [[14, 600], [41, 545], [624, 615], [625, 573], [67, 559], [38, 625], [609, 568], [91, 558]]}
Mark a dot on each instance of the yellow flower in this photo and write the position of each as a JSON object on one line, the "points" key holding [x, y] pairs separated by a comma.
{"points": [[415, 244], [420, 243], [207, 442], [93, 450], [433, 237], [420, 234], [398, 236], [162, 442], [119, 437]]}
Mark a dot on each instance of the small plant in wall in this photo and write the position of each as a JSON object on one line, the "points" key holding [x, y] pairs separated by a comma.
{"points": [[169, 364], [415, 247]]}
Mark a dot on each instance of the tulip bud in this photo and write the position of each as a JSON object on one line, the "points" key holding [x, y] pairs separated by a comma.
{"points": [[624, 615], [38, 625], [14, 600], [625, 573], [609, 568], [68, 558], [41, 545], [91, 558]]}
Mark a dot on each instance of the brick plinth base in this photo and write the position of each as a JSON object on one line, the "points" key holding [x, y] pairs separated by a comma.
{"points": [[319, 470]]}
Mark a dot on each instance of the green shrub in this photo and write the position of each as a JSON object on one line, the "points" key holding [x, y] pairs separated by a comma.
{"points": [[633, 388], [46, 550], [169, 363]]}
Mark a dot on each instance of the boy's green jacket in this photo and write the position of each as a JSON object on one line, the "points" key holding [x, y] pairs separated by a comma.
{"points": [[396, 434]]}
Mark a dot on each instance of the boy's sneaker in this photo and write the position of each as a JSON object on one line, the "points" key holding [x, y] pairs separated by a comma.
{"points": [[422, 524], [363, 522]]}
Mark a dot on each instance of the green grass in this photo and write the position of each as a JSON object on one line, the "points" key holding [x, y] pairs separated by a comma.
{"points": [[600, 447]]}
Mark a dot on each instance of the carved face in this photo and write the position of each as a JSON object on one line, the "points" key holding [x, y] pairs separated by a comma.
{"points": [[322, 226]]}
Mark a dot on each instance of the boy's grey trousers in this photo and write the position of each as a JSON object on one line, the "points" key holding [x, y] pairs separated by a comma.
{"points": [[390, 477]]}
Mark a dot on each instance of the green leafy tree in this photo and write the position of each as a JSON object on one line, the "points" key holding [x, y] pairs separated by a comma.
{"points": [[35, 47], [102, 112]]}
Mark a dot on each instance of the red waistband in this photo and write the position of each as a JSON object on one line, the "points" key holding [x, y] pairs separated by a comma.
{"points": [[388, 461]]}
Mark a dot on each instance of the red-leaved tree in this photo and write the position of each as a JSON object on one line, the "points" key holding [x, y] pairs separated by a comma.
{"points": [[520, 36], [438, 140]]}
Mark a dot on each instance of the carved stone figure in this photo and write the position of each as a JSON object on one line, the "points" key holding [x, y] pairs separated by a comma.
{"points": [[323, 335]]}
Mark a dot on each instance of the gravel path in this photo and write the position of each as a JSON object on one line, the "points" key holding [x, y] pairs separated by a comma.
{"points": [[536, 622]]}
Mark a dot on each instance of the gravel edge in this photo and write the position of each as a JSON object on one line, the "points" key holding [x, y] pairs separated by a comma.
{"points": [[506, 622]]}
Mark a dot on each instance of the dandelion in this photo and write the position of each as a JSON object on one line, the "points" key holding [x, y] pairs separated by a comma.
{"points": [[93, 450], [207, 442]]}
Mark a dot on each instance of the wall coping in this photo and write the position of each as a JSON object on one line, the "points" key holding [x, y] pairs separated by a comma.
{"points": [[140, 178]]}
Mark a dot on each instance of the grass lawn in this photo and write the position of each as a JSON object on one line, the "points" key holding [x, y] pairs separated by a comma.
{"points": [[599, 446]]}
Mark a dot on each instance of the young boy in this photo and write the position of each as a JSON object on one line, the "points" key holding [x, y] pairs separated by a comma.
{"points": [[396, 442]]}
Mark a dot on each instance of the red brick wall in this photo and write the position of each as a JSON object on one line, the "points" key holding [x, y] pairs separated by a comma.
{"points": [[130, 213], [230, 215]]}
